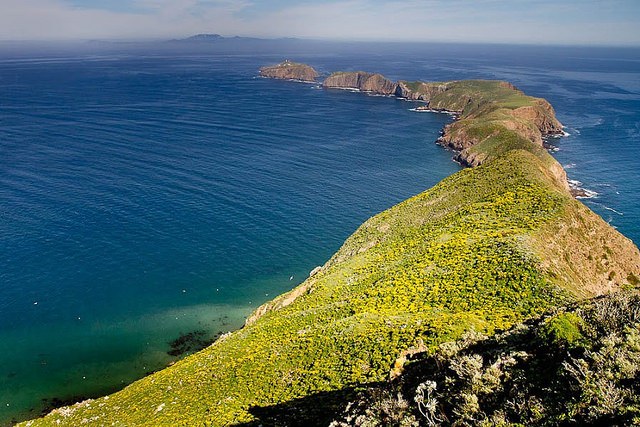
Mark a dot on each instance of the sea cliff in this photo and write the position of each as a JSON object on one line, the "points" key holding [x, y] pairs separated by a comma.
{"points": [[494, 113], [367, 82], [484, 249], [288, 70]]}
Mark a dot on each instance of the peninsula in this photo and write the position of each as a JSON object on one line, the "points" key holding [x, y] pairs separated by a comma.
{"points": [[494, 116], [486, 248]]}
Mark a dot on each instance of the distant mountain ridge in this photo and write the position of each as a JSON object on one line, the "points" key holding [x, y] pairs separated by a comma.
{"points": [[203, 38], [214, 37]]}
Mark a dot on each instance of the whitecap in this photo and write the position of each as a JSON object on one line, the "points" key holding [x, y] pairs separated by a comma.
{"points": [[582, 193], [588, 194], [613, 210]]}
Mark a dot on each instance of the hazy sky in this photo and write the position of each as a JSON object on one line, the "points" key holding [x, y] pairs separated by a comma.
{"points": [[515, 21]]}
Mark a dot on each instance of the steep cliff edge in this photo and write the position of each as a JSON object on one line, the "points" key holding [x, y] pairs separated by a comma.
{"points": [[485, 248], [366, 82], [487, 110], [288, 70], [419, 91], [493, 112]]}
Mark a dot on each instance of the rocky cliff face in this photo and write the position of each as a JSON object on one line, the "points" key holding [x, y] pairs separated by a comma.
{"points": [[541, 113], [288, 70], [367, 82], [457, 138], [419, 91], [488, 110]]}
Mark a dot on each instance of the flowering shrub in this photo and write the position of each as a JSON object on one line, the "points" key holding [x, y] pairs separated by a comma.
{"points": [[527, 376]]}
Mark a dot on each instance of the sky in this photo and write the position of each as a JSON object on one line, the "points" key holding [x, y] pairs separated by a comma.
{"points": [[585, 22]]}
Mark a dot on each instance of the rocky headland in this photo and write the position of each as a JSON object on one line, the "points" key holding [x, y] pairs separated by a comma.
{"points": [[288, 70], [489, 112], [486, 248]]}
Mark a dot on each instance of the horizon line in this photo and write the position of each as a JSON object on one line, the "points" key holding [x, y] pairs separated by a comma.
{"points": [[593, 44]]}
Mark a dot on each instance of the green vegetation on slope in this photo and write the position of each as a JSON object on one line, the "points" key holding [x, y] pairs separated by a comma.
{"points": [[475, 97], [467, 254], [489, 110], [472, 97], [578, 366], [429, 269]]}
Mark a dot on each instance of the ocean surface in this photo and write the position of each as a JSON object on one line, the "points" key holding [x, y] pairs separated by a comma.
{"points": [[152, 190]]}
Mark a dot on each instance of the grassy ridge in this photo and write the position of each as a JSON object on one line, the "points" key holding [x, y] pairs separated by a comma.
{"points": [[472, 97], [489, 110], [467, 254], [426, 270]]}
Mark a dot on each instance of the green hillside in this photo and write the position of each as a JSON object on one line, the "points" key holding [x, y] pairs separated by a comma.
{"points": [[483, 249], [575, 366]]}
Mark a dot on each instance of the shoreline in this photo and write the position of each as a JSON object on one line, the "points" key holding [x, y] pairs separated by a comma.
{"points": [[486, 113], [57, 386]]}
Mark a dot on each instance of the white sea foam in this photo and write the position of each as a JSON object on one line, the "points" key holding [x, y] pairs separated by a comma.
{"points": [[613, 210], [570, 166], [348, 89], [588, 194], [428, 110], [584, 192]]}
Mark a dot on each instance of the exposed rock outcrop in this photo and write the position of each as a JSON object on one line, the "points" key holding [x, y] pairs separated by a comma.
{"points": [[366, 82], [288, 70], [419, 91], [542, 115], [493, 113], [456, 137]]}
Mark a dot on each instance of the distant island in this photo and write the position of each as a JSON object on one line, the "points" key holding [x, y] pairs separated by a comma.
{"points": [[202, 38], [288, 70], [493, 298], [215, 38]]}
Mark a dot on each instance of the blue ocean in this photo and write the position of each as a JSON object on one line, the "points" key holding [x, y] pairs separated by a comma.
{"points": [[152, 190]]}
